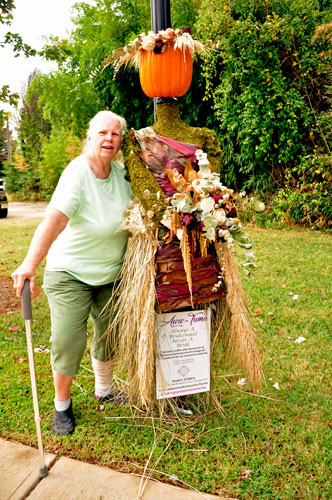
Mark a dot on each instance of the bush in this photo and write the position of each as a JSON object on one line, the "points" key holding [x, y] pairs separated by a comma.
{"points": [[267, 76], [57, 151], [306, 197]]}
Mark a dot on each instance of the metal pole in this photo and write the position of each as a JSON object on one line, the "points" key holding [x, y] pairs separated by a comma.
{"points": [[27, 315], [160, 15], [160, 20]]}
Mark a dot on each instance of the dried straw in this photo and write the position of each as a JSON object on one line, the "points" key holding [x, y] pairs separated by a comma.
{"points": [[133, 312], [133, 315], [241, 342]]}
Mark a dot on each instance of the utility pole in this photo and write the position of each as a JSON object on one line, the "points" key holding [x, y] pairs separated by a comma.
{"points": [[9, 142], [160, 20]]}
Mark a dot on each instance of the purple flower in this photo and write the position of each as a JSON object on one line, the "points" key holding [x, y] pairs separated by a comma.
{"points": [[158, 47], [232, 212], [188, 220]]}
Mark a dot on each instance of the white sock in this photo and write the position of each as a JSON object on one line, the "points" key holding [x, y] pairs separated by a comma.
{"points": [[62, 405], [103, 371]]}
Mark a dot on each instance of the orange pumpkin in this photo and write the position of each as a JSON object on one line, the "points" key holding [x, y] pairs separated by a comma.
{"points": [[167, 74]]}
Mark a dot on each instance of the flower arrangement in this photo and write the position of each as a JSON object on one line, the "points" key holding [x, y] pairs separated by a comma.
{"points": [[154, 42], [200, 213], [202, 200]]}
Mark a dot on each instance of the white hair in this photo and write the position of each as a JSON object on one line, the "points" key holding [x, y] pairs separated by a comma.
{"points": [[113, 116], [96, 118]]}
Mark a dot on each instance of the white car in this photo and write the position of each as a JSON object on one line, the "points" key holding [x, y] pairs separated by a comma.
{"points": [[3, 201]]}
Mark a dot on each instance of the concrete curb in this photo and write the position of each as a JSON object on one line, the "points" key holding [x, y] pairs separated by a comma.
{"points": [[75, 480]]}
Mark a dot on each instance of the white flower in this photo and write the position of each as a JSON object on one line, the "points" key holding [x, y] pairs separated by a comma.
{"points": [[223, 233], [242, 194], [276, 386], [299, 340], [207, 204], [199, 154], [203, 159], [197, 185], [205, 169], [210, 233], [148, 43], [220, 215]]}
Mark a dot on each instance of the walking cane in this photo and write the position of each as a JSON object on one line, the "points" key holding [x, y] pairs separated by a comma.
{"points": [[27, 315]]}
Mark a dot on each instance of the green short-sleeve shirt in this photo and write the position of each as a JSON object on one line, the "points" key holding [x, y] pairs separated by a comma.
{"points": [[91, 247]]}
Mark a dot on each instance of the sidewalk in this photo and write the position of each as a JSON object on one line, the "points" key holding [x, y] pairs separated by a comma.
{"points": [[70, 479]]}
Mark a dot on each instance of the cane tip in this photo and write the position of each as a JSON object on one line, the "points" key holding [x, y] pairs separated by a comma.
{"points": [[43, 472]]}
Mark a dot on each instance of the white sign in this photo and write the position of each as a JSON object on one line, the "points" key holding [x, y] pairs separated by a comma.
{"points": [[183, 366]]}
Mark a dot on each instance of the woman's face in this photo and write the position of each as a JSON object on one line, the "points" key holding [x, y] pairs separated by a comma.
{"points": [[105, 138]]}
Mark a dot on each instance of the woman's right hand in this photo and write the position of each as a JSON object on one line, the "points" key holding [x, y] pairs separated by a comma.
{"points": [[22, 273], [48, 230]]}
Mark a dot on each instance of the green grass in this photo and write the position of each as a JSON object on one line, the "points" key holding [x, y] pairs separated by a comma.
{"points": [[283, 436]]}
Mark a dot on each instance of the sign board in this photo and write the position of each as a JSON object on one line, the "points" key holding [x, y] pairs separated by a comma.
{"points": [[183, 365]]}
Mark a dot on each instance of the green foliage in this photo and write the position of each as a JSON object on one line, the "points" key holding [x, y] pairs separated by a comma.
{"points": [[264, 88], [57, 151], [6, 7], [266, 76], [22, 178], [307, 193]]}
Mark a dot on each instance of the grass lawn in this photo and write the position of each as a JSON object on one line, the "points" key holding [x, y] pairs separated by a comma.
{"points": [[274, 445]]}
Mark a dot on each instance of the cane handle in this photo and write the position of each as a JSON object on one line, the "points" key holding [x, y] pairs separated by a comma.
{"points": [[26, 300]]}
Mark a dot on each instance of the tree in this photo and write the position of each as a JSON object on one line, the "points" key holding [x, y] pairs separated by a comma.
{"points": [[267, 79], [14, 39]]}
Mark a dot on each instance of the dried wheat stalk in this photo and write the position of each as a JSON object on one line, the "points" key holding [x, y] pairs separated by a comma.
{"points": [[187, 260], [241, 339]]}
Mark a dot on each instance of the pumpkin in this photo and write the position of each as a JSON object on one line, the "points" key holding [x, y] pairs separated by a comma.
{"points": [[167, 74]]}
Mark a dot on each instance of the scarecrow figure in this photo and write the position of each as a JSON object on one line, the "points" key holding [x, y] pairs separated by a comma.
{"points": [[183, 226]]}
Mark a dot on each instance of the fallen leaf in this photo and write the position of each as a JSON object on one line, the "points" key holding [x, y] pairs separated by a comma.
{"points": [[20, 360], [174, 479], [245, 474], [42, 349], [257, 313]]}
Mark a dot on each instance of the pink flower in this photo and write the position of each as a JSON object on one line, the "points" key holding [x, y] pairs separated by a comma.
{"points": [[217, 197]]}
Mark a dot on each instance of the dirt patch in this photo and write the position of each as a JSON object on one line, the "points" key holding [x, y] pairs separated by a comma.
{"points": [[8, 300]]}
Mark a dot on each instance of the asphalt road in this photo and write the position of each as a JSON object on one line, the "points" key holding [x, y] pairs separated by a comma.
{"points": [[22, 210]]}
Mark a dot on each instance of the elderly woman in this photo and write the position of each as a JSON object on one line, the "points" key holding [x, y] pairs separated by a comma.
{"points": [[85, 249]]}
